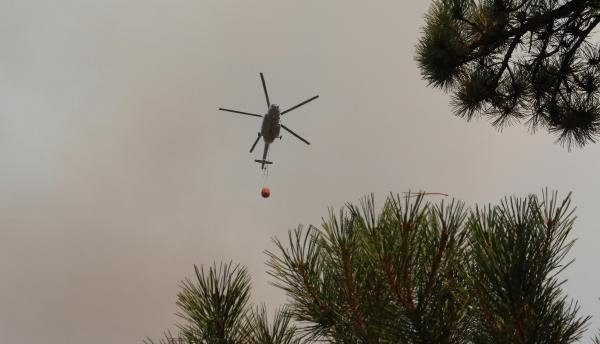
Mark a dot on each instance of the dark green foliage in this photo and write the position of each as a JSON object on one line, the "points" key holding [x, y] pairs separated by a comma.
{"points": [[518, 59], [215, 309], [411, 272], [279, 331], [379, 278], [214, 306], [517, 249]]}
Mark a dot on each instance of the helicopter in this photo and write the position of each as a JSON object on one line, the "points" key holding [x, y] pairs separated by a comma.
{"points": [[271, 125]]}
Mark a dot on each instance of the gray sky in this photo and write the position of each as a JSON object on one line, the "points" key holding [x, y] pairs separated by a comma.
{"points": [[118, 173]]}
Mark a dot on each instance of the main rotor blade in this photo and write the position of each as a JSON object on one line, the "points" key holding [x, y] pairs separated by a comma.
{"points": [[255, 142], [293, 133], [242, 112], [299, 105], [262, 78]]}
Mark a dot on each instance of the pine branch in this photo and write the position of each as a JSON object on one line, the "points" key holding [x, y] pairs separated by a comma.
{"points": [[410, 272], [213, 307], [279, 331], [508, 60], [517, 251]]}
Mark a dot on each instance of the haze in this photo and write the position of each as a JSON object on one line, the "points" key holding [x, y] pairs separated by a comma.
{"points": [[118, 173]]}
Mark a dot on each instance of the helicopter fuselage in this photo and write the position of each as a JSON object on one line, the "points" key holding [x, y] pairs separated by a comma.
{"points": [[270, 125]]}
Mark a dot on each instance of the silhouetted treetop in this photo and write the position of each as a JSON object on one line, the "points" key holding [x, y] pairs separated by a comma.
{"points": [[518, 60], [408, 272]]}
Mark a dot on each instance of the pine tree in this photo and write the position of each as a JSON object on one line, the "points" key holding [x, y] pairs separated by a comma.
{"points": [[518, 60], [215, 309], [412, 272]]}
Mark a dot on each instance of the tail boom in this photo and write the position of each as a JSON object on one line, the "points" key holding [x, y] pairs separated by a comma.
{"points": [[264, 161]]}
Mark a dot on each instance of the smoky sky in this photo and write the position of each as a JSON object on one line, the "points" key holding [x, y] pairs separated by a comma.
{"points": [[118, 173]]}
